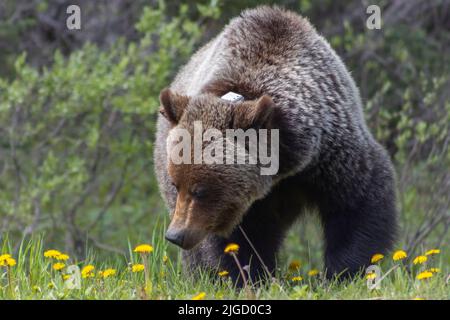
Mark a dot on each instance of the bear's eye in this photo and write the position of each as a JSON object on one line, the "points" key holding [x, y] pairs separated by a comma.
{"points": [[198, 193], [175, 186]]}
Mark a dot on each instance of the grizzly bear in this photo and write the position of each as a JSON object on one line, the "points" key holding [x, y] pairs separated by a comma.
{"points": [[290, 79]]}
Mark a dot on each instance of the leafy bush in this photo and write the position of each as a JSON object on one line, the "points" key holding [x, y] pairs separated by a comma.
{"points": [[76, 140]]}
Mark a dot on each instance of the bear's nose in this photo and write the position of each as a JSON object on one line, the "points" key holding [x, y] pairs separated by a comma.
{"points": [[175, 236]]}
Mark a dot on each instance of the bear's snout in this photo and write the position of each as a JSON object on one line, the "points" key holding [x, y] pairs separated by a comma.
{"points": [[185, 238], [176, 236]]}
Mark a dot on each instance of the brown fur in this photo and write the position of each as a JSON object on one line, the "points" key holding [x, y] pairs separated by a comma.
{"points": [[292, 81]]}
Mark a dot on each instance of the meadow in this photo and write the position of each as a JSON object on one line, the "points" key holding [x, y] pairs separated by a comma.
{"points": [[148, 271], [78, 112]]}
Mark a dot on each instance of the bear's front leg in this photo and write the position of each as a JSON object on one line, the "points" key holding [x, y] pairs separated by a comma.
{"points": [[265, 226], [354, 235], [210, 256]]}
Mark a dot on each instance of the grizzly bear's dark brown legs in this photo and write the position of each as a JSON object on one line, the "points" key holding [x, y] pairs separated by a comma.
{"points": [[265, 233], [356, 231], [212, 256], [351, 242], [266, 224]]}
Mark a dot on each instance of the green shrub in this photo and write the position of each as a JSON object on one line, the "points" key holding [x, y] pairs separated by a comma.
{"points": [[76, 137]]}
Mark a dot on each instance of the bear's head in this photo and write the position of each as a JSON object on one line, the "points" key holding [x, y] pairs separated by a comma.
{"points": [[212, 195]]}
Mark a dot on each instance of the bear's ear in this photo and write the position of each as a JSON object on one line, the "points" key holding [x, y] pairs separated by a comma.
{"points": [[254, 114], [172, 105]]}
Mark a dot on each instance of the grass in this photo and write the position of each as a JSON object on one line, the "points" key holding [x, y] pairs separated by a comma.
{"points": [[34, 278]]}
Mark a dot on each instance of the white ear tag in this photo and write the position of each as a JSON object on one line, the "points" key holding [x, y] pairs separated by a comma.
{"points": [[232, 97]]}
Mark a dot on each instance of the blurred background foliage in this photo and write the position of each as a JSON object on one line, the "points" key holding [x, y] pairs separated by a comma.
{"points": [[78, 110]]}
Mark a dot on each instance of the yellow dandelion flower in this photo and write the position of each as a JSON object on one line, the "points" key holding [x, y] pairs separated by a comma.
{"points": [[58, 266], [66, 277], [223, 273], [36, 289], [432, 252], [11, 262], [8, 262], [232, 247], [294, 265], [313, 272], [107, 273], [376, 257], [62, 257], [165, 259], [424, 275], [143, 248], [87, 271], [296, 279], [399, 255], [219, 296], [371, 275], [137, 267], [418, 298], [5, 256], [51, 253], [420, 259], [50, 285], [435, 270], [199, 296]]}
